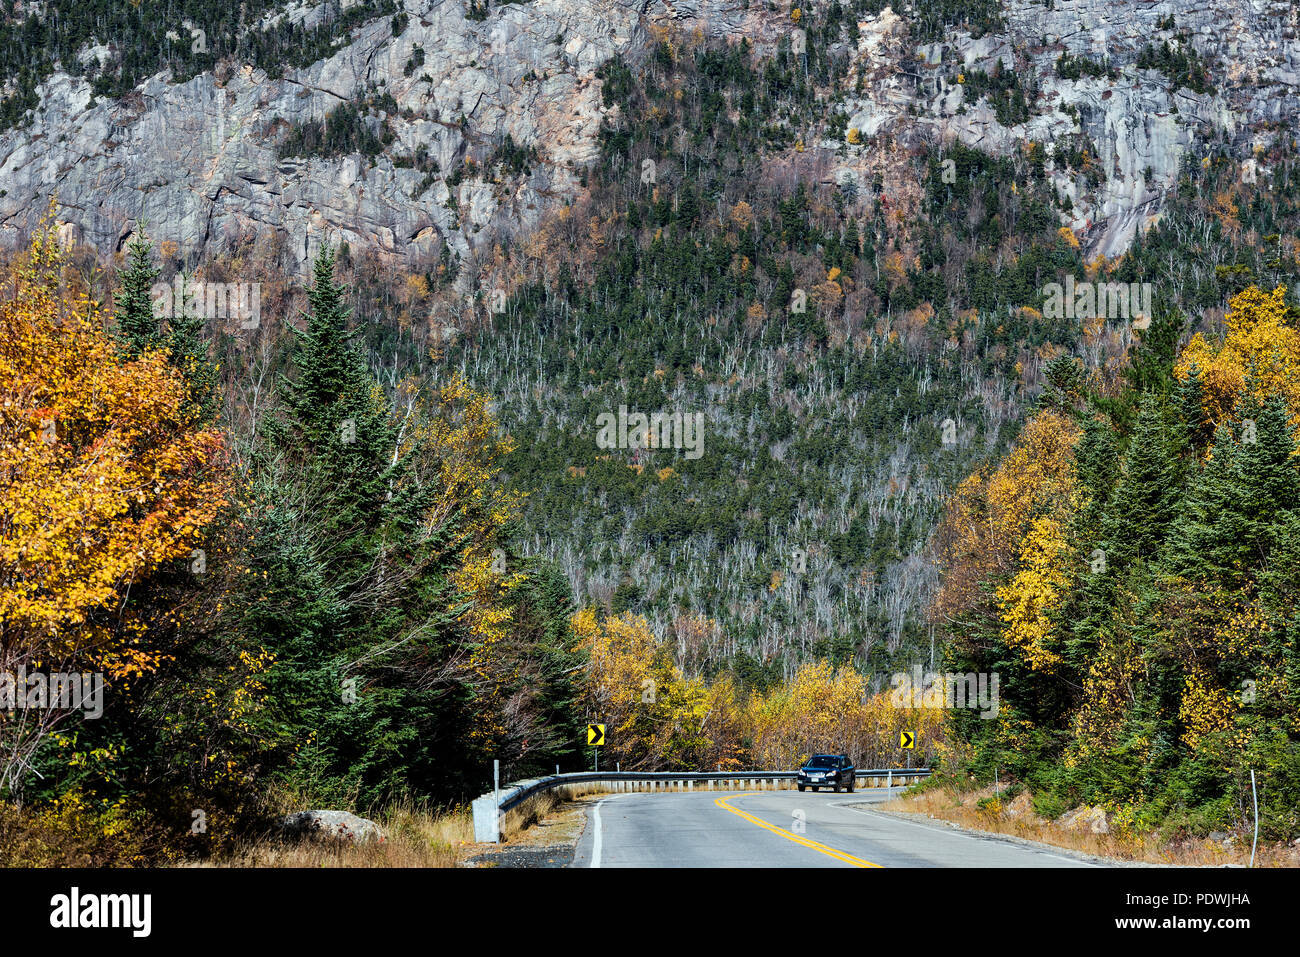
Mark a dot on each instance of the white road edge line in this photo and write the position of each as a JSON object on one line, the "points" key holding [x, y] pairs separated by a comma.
{"points": [[963, 832], [595, 837]]}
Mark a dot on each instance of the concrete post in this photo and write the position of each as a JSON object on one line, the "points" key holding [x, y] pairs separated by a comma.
{"points": [[487, 829]]}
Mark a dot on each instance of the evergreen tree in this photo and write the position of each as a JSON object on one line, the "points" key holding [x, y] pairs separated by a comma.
{"points": [[189, 353], [355, 597], [1097, 466], [1147, 496], [1151, 363], [137, 326], [1239, 502], [338, 417], [1096, 462], [1065, 387], [1190, 396]]}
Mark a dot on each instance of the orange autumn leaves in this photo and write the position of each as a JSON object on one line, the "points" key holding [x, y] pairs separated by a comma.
{"points": [[1013, 522], [103, 475], [657, 717]]}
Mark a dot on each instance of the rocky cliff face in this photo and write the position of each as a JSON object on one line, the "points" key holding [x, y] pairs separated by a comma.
{"points": [[1141, 129], [198, 161]]}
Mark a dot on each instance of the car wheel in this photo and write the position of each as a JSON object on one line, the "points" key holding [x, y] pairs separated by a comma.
{"points": [[850, 787], [801, 787], [837, 789]]}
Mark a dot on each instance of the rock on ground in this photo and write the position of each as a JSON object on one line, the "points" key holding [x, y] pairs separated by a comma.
{"points": [[340, 825]]}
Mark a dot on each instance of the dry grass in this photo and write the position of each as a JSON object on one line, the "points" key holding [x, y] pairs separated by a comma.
{"points": [[1016, 818], [415, 837], [525, 815]]}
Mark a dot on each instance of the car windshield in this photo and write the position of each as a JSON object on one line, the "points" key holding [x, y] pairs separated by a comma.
{"points": [[823, 761]]}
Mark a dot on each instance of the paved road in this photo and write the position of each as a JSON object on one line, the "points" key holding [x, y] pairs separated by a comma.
{"points": [[784, 829]]}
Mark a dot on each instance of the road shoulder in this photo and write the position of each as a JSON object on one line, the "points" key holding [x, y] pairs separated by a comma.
{"points": [[940, 825], [550, 842]]}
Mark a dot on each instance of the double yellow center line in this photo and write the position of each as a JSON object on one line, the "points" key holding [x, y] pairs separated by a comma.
{"points": [[828, 851]]}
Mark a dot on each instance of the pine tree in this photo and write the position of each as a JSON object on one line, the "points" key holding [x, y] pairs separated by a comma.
{"points": [[1190, 397], [337, 411], [1147, 496], [138, 327], [1151, 362], [1096, 461], [1097, 466], [189, 354], [355, 595], [1240, 501], [1065, 387]]}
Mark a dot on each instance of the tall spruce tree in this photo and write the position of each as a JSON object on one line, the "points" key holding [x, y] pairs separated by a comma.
{"points": [[1239, 503], [1065, 388], [140, 330], [138, 327], [1147, 496], [189, 353], [355, 597], [1190, 397], [1151, 361], [1097, 466]]}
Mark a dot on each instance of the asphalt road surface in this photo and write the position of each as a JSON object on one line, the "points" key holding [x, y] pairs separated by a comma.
{"points": [[786, 829]]}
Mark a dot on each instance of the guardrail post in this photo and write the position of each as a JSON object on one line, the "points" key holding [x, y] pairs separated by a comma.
{"points": [[486, 820]]}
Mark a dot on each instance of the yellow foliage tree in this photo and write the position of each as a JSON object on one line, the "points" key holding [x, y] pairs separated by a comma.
{"points": [[1205, 707], [103, 479], [1030, 600], [630, 681], [824, 709], [1258, 340], [451, 436], [988, 514]]}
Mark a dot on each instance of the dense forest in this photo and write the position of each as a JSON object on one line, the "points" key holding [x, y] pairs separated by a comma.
{"points": [[352, 557], [1130, 570]]}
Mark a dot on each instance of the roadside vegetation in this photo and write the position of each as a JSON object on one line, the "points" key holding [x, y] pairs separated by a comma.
{"points": [[351, 555]]}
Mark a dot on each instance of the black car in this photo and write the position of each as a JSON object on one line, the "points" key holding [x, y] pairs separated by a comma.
{"points": [[826, 770]]}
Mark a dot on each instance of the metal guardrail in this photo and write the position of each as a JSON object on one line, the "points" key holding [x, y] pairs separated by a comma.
{"points": [[489, 808]]}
